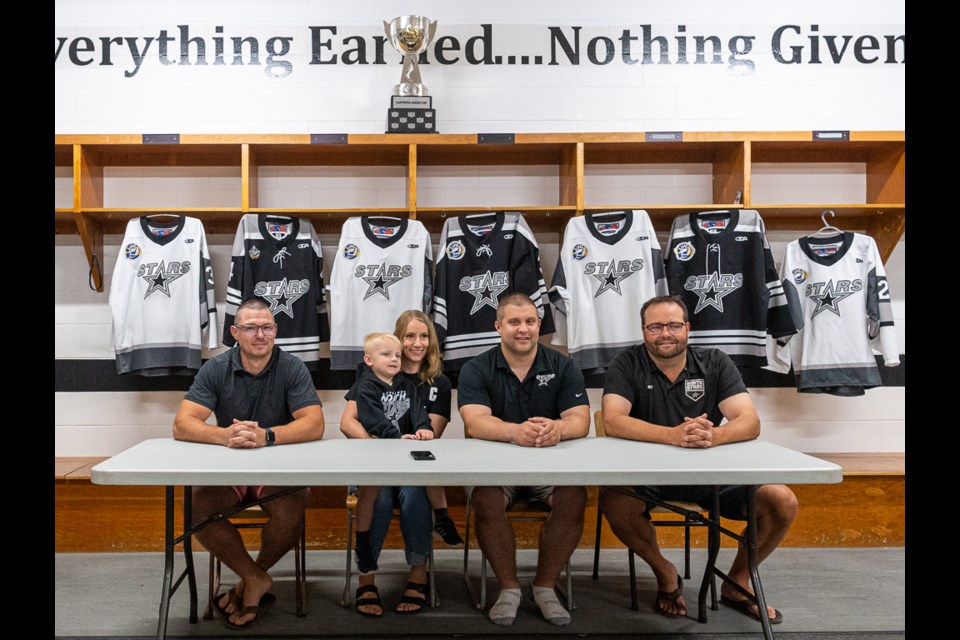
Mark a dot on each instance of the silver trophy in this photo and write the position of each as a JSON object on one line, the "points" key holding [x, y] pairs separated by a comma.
{"points": [[410, 35]]}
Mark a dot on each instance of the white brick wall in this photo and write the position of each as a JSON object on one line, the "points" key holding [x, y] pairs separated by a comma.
{"points": [[469, 99]]}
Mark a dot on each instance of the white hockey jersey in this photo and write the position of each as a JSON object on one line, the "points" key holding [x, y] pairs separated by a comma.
{"points": [[383, 267], [279, 260], [481, 258], [609, 265], [846, 309], [720, 264], [161, 297]]}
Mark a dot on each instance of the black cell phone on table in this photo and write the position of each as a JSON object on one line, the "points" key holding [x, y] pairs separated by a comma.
{"points": [[423, 455]]}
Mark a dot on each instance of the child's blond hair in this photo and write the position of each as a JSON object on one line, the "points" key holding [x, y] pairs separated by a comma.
{"points": [[372, 339]]}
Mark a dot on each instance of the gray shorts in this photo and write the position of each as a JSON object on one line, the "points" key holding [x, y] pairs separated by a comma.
{"points": [[532, 495], [733, 498]]}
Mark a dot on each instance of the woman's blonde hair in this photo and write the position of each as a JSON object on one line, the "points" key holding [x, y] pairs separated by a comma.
{"points": [[432, 365]]}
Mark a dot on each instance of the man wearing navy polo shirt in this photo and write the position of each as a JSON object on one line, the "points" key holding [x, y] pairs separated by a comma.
{"points": [[530, 395], [261, 397], [664, 391]]}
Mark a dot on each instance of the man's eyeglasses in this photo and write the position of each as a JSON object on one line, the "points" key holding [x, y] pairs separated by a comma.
{"points": [[673, 327], [252, 329]]}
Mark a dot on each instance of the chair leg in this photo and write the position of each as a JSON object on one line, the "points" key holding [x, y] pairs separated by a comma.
{"points": [[686, 548], [466, 560], [348, 572], [571, 604], [300, 558], [213, 584], [634, 602], [596, 545], [434, 596], [483, 582]]}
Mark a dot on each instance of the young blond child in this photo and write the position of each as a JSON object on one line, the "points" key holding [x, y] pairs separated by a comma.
{"points": [[387, 407]]}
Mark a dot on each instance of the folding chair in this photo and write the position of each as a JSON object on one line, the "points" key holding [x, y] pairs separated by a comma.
{"points": [[693, 516], [348, 573], [254, 517]]}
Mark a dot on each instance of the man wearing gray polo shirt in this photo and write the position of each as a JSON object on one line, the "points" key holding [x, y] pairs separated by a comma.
{"points": [[664, 391], [529, 395], [261, 397]]}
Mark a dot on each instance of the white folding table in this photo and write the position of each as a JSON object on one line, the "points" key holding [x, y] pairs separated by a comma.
{"points": [[468, 462]]}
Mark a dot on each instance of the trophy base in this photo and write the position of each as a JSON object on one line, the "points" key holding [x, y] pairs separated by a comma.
{"points": [[411, 121]]}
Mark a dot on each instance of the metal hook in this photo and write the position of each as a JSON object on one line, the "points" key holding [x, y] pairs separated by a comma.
{"points": [[94, 264], [823, 217]]}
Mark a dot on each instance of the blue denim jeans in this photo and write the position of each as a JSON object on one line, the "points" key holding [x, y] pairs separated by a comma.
{"points": [[416, 521]]}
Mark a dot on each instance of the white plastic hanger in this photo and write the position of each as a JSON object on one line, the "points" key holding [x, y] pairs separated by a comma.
{"points": [[827, 229], [607, 214]]}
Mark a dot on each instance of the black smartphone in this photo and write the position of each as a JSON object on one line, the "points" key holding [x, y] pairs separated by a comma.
{"points": [[423, 455]]}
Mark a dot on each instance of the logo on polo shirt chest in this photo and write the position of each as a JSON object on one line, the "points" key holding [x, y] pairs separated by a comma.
{"points": [[694, 389], [545, 378]]}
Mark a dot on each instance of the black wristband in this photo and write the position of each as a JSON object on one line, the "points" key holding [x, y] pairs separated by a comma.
{"points": [[271, 436]]}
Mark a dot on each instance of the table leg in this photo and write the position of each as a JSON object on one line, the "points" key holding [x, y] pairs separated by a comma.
{"points": [[713, 549], [169, 543], [188, 551], [753, 563]]}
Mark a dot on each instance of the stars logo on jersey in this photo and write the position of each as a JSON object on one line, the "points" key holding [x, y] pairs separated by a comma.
{"points": [[254, 254], [545, 378], [351, 251], [712, 287], [684, 251], [799, 275], [610, 274], [131, 251], [579, 252], [828, 295], [379, 277], [485, 288], [279, 257], [282, 294], [456, 250], [159, 276]]}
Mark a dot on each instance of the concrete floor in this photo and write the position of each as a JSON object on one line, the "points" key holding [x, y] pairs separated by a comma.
{"points": [[821, 592]]}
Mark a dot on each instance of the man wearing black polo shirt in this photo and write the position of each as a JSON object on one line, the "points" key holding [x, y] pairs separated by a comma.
{"points": [[530, 395], [261, 396], [664, 391]]}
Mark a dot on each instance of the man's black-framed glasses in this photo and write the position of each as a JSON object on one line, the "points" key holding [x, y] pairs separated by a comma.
{"points": [[657, 328]]}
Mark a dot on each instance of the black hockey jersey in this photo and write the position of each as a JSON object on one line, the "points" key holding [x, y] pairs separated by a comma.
{"points": [[278, 259], [161, 297], [721, 266], [383, 267], [481, 258], [846, 309], [609, 265]]}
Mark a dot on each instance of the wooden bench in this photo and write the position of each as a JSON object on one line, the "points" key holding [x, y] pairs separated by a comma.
{"points": [[67, 468]]}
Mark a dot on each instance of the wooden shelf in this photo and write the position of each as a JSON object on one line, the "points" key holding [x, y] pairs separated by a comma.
{"points": [[578, 159]]}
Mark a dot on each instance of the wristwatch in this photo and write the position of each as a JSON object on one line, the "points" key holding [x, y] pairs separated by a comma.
{"points": [[271, 436]]}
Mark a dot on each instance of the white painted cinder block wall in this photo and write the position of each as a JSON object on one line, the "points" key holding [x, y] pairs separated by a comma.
{"points": [[97, 99]]}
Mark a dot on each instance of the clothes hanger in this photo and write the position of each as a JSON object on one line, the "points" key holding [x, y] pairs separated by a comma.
{"points": [[607, 214], [827, 229]]}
